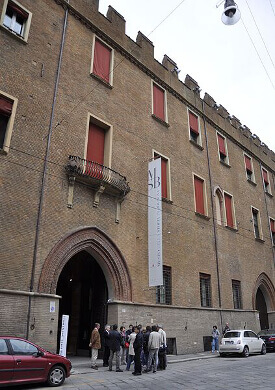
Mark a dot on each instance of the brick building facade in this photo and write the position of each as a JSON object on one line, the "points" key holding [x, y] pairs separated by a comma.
{"points": [[83, 109]]}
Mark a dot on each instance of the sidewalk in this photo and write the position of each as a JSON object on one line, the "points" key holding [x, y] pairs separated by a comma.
{"points": [[82, 365]]}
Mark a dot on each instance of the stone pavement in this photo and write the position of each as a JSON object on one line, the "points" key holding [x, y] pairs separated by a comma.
{"points": [[82, 365]]}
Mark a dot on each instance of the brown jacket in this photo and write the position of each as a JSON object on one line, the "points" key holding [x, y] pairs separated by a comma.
{"points": [[95, 339]]}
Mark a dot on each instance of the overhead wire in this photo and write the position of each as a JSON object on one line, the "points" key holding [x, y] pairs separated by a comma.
{"points": [[260, 34]]}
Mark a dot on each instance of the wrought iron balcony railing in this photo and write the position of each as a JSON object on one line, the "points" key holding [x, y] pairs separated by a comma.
{"points": [[97, 175]]}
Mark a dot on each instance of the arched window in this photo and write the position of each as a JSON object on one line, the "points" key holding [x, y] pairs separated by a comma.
{"points": [[219, 207]]}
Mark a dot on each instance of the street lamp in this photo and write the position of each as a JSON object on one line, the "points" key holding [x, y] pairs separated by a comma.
{"points": [[231, 14]]}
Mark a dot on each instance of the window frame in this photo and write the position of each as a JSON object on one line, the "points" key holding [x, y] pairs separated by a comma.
{"points": [[259, 224], [165, 120], [111, 65], [220, 207], [272, 234], [26, 25], [168, 174], [237, 294], [10, 124], [198, 141], [163, 293], [267, 188], [234, 227], [204, 195], [252, 178], [224, 161], [108, 142], [207, 299]]}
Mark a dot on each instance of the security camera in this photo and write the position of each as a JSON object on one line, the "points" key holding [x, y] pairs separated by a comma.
{"points": [[175, 69]]}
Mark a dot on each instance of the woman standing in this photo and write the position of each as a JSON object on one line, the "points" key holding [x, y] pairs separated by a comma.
{"points": [[123, 347], [131, 354]]}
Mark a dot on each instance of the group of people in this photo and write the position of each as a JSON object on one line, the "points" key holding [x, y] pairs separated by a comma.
{"points": [[216, 335], [146, 347]]}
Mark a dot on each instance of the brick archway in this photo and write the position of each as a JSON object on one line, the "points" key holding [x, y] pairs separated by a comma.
{"points": [[108, 256], [265, 284]]}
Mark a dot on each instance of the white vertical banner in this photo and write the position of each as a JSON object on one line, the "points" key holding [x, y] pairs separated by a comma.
{"points": [[64, 335], [155, 223]]}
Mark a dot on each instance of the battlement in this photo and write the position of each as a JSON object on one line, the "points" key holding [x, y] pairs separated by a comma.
{"points": [[112, 28]]}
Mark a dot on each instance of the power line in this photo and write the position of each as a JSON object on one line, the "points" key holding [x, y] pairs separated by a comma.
{"points": [[260, 34], [258, 54]]}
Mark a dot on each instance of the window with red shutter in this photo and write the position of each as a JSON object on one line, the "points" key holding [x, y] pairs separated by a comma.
{"points": [[272, 228], [159, 102], [199, 195], [222, 149], [248, 168], [164, 176], [194, 128], [229, 210], [95, 151], [5, 113], [102, 60], [266, 181]]}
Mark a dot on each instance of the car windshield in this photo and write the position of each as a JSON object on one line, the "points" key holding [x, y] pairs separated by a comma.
{"points": [[266, 332], [231, 334]]}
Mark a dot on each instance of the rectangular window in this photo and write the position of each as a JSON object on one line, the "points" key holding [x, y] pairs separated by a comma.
{"points": [[256, 223], [229, 210], [16, 19], [237, 297], [164, 293], [194, 128], [205, 290], [199, 195], [102, 61], [266, 181], [272, 230], [159, 102], [98, 146], [165, 176], [249, 168], [223, 154], [7, 115]]}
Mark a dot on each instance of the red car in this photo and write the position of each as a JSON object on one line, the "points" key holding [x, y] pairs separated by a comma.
{"points": [[24, 362]]}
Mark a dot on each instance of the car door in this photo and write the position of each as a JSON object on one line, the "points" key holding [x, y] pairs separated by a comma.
{"points": [[247, 340], [29, 364], [256, 342], [6, 363]]}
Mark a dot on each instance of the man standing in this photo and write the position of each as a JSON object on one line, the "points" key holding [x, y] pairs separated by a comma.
{"points": [[115, 341], [162, 349], [226, 328], [106, 354], [215, 339], [137, 348], [153, 348], [95, 345]]}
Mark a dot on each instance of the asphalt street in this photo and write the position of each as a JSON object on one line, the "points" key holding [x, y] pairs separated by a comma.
{"points": [[229, 373]]}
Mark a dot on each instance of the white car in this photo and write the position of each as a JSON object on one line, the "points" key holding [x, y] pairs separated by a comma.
{"points": [[242, 341]]}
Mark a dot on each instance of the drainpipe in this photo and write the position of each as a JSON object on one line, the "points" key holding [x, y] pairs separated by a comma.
{"points": [[45, 168], [213, 216]]}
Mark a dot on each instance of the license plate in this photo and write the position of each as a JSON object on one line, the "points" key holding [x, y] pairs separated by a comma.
{"points": [[229, 342]]}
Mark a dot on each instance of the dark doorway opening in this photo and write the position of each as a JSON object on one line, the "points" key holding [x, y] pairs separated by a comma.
{"points": [[84, 292], [261, 307]]}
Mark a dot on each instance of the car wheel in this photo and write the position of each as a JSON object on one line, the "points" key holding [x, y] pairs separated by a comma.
{"points": [[56, 376], [245, 351], [263, 351]]}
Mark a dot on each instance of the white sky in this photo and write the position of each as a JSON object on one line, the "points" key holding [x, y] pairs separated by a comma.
{"points": [[222, 59]]}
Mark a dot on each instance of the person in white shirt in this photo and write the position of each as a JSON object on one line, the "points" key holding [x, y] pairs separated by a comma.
{"points": [[153, 348], [162, 350]]}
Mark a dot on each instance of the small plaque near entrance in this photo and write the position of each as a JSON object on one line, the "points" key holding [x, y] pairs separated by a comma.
{"points": [[52, 307]]}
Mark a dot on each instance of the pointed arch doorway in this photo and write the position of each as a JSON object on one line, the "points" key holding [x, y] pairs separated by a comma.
{"points": [[83, 288], [86, 269], [264, 300]]}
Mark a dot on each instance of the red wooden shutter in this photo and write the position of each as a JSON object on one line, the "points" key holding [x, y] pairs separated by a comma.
{"points": [[228, 209], [199, 195], [18, 11], [194, 123], [265, 176], [102, 58], [248, 165], [5, 106], [163, 178], [158, 102], [95, 147], [272, 225], [221, 145]]}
